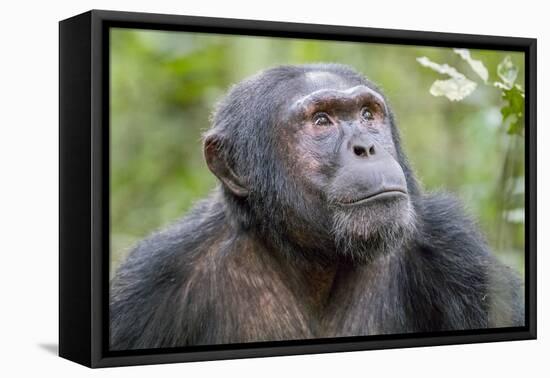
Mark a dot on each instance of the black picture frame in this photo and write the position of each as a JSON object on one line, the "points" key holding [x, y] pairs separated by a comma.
{"points": [[84, 186]]}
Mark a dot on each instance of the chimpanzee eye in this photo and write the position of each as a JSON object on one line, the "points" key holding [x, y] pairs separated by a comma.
{"points": [[366, 114], [321, 119]]}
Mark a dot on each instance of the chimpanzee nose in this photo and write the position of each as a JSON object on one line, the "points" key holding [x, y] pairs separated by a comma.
{"points": [[364, 149]]}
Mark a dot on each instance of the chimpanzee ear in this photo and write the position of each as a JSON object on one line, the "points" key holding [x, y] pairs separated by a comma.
{"points": [[215, 159]]}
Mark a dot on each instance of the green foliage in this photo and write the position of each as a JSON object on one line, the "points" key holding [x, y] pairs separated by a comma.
{"points": [[513, 95], [512, 120], [458, 87], [164, 87], [477, 65], [507, 72], [512, 112]]}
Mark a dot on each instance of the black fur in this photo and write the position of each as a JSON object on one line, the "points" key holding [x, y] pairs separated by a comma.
{"points": [[237, 270]]}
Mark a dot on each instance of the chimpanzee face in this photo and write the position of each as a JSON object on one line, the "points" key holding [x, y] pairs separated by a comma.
{"points": [[339, 145], [314, 157]]}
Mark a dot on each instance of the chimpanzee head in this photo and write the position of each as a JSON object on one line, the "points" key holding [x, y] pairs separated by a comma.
{"points": [[309, 156]]}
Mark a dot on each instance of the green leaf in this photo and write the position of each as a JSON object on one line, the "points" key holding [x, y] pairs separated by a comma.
{"points": [[476, 65], [513, 111], [441, 68], [507, 71], [500, 85], [455, 89]]}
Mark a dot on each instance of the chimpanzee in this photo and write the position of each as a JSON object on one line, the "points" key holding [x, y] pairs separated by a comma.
{"points": [[318, 229]]}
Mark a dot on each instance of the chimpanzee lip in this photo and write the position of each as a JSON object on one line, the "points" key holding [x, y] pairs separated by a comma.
{"points": [[380, 195]]}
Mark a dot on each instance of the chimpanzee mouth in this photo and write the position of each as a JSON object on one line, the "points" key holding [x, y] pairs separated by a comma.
{"points": [[385, 194]]}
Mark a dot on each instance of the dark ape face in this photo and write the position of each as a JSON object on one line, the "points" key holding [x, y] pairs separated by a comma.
{"points": [[339, 137], [314, 160]]}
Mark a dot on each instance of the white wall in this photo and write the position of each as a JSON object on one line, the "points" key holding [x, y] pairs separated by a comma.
{"points": [[29, 174]]}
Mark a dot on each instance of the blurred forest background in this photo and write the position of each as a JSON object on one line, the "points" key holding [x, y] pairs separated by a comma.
{"points": [[164, 86]]}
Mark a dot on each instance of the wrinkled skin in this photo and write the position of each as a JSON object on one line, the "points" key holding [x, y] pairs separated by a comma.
{"points": [[318, 229], [348, 164]]}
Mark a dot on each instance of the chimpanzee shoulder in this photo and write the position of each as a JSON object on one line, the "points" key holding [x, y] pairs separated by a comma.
{"points": [[200, 282], [461, 284], [148, 305]]}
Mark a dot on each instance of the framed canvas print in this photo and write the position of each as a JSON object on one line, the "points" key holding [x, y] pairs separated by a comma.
{"points": [[234, 188]]}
